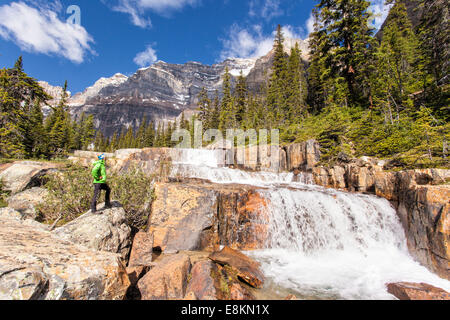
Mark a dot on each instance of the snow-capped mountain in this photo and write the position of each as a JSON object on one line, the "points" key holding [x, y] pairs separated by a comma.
{"points": [[81, 98], [163, 90]]}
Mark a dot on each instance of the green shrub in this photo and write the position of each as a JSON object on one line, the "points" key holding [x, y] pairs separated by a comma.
{"points": [[71, 191]]}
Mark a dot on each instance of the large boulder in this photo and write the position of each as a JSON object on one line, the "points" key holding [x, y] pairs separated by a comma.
{"points": [[22, 175], [26, 202], [181, 213], [425, 212], [12, 214], [142, 250], [168, 280], [196, 215], [36, 264], [417, 291], [104, 231], [247, 269]]}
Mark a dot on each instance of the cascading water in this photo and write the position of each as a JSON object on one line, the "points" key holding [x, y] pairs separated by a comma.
{"points": [[323, 243]]}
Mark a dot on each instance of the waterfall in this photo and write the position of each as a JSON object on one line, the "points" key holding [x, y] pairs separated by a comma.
{"points": [[210, 165], [322, 243], [328, 244]]}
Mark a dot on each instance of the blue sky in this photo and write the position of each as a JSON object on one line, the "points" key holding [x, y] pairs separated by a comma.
{"points": [[124, 35]]}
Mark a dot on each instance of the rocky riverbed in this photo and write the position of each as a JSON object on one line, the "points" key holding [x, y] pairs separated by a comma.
{"points": [[205, 215]]}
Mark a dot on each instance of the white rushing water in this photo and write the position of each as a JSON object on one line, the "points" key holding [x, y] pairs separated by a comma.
{"points": [[323, 243]]}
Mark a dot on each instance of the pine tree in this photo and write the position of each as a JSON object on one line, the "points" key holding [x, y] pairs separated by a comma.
{"points": [[140, 134], [149, 135], [317, 72], [214, 121], [10, 141], [129, 138], [18, 95], [425, 131], [240, 94], [227, 107], [276, 95], [204, 108], [114, 143], [346, 44], [88, 132], [398, 73], [59, 126], [434, 38], [35, 138], [296, 86]]}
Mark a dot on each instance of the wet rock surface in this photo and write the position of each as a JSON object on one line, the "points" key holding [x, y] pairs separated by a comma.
{"points": [[247, 269], [417, 291], [420, 196]]}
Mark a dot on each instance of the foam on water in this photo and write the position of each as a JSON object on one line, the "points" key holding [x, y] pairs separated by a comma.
{"points": [[328, 244], [323, 243]]}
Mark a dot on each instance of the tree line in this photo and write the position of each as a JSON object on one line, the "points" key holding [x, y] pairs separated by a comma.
{"points": [[357, 95], [147, 135]]}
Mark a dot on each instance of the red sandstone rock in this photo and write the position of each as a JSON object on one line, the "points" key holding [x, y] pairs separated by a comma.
{"points": [[247, 269], [167, 280], [417, 291], [202, 283], [142, 250]]}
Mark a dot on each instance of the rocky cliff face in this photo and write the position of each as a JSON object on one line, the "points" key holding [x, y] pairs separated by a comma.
{"points": [[198, 215], [162, 91]]}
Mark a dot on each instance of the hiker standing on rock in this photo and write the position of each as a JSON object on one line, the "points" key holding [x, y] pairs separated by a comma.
{"points": [[99, 174]]}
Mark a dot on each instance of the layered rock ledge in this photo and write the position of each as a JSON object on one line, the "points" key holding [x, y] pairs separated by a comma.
{"points": [[198, 215], [37, 264]]}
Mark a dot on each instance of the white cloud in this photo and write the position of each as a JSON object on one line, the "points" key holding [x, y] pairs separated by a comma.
{"points": [[42, 31], [146, 57], [266, 9], [380, 11], [54, 5], [246, 43], [310, 24], [251, 42], [137, 9]]}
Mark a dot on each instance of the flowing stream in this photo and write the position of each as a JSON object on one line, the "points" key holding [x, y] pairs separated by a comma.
{"points": [[323, 243]]}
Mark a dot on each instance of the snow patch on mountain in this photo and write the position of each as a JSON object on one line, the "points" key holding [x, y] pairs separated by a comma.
{"points": [[81, 98]]}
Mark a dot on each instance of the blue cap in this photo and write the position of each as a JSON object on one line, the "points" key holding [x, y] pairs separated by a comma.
{"points": [[101, 157]]}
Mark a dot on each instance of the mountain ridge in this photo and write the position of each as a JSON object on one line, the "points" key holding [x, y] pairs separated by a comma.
{"points": [[162, 91]]}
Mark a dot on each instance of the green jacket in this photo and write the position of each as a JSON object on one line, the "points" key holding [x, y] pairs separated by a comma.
{"points": [[98, 171]]}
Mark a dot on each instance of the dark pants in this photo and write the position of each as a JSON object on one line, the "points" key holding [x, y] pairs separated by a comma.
{"points": [[97, 188]]}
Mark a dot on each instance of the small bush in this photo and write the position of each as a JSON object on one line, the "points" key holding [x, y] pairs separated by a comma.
{"points": [[134, 190], [71, 191]]}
